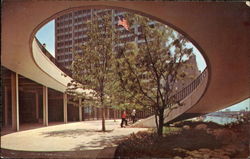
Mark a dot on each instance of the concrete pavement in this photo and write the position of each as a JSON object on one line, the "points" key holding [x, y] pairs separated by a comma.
{"points": [[73, 137]]}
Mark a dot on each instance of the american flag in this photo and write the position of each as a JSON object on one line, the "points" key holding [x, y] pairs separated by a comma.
{"points": [[123, 22]]}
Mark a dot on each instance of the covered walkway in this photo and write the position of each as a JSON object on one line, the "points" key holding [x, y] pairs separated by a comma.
{"points": [[219, 30]]}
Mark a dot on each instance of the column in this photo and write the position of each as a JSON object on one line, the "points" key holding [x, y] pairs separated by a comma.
{"points": [[37, 105], [6, 106], [115, 114], [45, 106], [15, 101], [65, 111], [80, 109], [95, 113], [108, 113]]}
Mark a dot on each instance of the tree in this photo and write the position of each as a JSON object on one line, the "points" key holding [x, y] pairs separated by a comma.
{"points": [[147, 72], [92, 69]]}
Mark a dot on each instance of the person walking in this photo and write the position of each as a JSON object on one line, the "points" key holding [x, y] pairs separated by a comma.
{"points": [[133, 115], [124, 115]]}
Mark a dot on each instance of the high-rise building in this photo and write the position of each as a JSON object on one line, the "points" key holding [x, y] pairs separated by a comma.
{"points": [[71, 29], [190, 72]]}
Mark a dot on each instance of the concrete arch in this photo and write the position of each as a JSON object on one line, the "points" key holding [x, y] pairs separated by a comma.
{"points": [[176, 28], [221, 29], [63, 12]]}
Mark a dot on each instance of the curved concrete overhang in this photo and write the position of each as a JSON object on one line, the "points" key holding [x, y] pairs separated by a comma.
{"points": [[49, 68], [220, 30]]}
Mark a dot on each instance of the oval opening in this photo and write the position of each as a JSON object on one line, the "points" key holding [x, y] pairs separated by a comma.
{"points": [[70, 32], [66, 32]]}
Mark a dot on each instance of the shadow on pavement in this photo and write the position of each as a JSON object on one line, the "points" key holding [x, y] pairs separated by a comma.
{"points": [[101, 142], [73, 133]]}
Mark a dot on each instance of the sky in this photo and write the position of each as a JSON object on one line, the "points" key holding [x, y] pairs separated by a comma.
{"points": [[242, 105], [47, 35]]}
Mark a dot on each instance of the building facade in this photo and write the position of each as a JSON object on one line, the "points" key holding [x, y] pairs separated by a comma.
{"points": [[71, 30]]}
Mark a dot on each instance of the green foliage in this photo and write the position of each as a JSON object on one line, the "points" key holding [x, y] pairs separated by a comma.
{"points": [[128, 75], [146, 73], [92, 69], [171, 130]]}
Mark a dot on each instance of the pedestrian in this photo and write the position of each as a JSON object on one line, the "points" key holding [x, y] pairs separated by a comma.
{"points": [[133, 115], [124, 120]]}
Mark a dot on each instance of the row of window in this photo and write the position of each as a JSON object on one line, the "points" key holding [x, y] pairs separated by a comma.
{"points": [[80, 26], [63, 30], [76, 34], [63, 37], [77, 49], [68, 37], [69, 29], [82, 19], [61, 57], [76, 20], [85, 15], [59, 51], [81, 40], [64, 43], [67, 22], [103, 12], [64, 16], [80, 12]]}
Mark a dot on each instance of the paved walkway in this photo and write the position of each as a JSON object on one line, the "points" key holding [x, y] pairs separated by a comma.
{"points": [[80, 136]]}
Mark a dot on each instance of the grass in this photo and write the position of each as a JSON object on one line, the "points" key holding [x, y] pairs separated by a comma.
{"points": [[170, 130], [166, 130]]}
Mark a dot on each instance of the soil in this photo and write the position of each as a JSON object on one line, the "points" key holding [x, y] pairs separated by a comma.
{"points": [[213, 141]]}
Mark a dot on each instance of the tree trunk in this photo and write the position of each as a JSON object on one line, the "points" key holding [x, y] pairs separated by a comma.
{"points": [[103, 119], [103, 114], [114, 115], [161, 122], [156, 120]]}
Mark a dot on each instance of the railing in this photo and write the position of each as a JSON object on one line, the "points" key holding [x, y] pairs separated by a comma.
{"points": [[191, 87], [179, 95], [52, 59]]}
